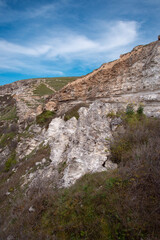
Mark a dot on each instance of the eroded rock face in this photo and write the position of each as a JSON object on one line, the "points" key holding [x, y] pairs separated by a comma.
{"points": [[87, 148], [134, 77], [78, 146]]}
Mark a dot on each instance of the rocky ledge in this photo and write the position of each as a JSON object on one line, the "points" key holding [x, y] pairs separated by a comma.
{"points": [[134, 77]]}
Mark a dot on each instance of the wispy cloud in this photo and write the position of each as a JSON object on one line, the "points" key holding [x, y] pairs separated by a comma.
{"points": [[69, 46], [8, 14]]}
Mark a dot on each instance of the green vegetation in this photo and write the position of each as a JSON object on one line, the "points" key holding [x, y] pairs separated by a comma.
{"points": [[140, 110], [10, 114], [129, 110], [10, 162], [136, 126], [62, 166], [6, 138], [45, 117], [59, 82], [120, 204], [70, 114], [42, 90], [112, 115], [73, 112], [129, 116]]}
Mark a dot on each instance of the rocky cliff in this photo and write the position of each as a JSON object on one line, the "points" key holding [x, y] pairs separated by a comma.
{"points": [[78, 145], [30, 95], [52, 135], [134, 77]]}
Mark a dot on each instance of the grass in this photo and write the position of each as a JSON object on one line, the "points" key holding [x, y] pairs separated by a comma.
{"points": [[59, 82], [45, 117], [117, 205], [98, 206], [42, 90], [11, 182], [73, 112], [9, 115], [6, 138], [10, 162]]}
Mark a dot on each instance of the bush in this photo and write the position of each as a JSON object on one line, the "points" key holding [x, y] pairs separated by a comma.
{"points": [[129, 109], [140, 110], [117, 205]]}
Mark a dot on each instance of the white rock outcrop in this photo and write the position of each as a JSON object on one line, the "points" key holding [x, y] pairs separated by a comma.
{"points": [[79, 146]]}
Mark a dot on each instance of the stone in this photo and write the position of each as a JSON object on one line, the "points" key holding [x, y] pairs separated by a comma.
{"points": [[39, 109], [44, 160], [51, 106], [10, 237], [78, 146], [38, 163], [135, 77], [80, 143], [31, 209]]}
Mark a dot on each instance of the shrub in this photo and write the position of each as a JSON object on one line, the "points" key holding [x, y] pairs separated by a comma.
{"points": [[129, 109], [117, 205], [140, 110]]}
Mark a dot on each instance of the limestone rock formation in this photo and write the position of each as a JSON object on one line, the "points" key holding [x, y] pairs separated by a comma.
{"points": [[134, 77], [80, 146], [69, 149], [77, 146]]}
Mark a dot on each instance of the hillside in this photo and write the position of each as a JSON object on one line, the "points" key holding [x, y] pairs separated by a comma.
{"points": [[30, 94], [134, 77], [79, 158]]}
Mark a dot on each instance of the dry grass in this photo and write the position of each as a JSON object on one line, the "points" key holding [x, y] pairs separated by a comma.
{"points": [[115, 205]]}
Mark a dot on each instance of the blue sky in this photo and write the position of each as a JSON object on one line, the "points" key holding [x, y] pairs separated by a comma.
{"points": [[68, 37]]}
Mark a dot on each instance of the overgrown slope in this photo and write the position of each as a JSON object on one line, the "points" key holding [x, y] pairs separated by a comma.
{"points": [[118, 205]]}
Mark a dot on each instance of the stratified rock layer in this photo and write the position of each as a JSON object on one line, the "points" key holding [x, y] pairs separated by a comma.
{"points": [[135, 77], [77, 146]]}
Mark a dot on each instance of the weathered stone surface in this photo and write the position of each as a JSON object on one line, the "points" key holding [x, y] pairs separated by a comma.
{"points": [[51, 106], [135, 77], [77, 146]]}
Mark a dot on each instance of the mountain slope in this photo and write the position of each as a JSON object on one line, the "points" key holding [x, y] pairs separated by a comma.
{"points": [[30, 94], [134, 77], [49, 139]]}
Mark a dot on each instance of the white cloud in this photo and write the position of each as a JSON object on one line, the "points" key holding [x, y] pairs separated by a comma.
{"points": [[67, 46], [7, 47]]}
